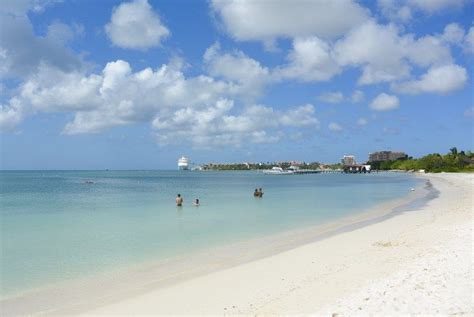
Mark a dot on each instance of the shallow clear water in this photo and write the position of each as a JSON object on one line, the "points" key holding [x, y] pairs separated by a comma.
{"points": [[55, 226]]}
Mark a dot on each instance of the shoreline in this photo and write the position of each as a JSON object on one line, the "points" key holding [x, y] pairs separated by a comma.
{"points": [[144, 277], [126, 288], [417, 262]]}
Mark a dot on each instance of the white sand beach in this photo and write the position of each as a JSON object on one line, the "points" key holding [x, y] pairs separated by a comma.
{"points": [[417, 262]]}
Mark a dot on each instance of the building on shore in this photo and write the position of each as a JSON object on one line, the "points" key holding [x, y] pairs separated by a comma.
{"points": [[382, 156], [348, 160]]}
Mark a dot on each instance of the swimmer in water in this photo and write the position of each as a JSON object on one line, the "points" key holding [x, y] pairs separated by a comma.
{"points": [[196, 202], [179, 200], [256, 193]]}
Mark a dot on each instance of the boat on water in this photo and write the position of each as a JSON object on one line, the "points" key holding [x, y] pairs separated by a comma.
{"points": [[183, 163], [278, 171]]}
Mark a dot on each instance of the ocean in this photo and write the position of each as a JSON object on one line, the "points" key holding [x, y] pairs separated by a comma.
{"points": [[64, 225]]}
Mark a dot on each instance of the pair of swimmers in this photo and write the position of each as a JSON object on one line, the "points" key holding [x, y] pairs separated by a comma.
{"points": [[258, 193], [180, 200]]}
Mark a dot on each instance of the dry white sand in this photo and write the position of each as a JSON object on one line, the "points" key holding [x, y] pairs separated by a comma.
{"points": [[418, 262]]}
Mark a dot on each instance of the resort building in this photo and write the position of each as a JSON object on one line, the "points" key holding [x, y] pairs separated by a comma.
{"points": [[348, 160], [381, 156]]}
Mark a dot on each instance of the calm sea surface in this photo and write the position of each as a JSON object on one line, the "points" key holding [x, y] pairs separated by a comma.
{"points": [[55, 226]]}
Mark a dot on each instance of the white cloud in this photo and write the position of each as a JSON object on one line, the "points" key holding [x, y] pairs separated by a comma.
{"points": [[53, 90], [198, 110], [299, 117], [127, 97], [335, 127], [269, 20], [386, 56], [332, 97], [357, 96], [375, 48], [117, 96], [453, 33], [337, 97], [135, 25], [395, 10], [11, 115], [217, 126], [384, 102], [237, 67], [22, 52], [440, 79], [469, 41], [428, 50], [309, 60], [362, 121]]}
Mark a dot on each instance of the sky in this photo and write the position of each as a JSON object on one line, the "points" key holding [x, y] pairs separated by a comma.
{"points": [[136, 84]]}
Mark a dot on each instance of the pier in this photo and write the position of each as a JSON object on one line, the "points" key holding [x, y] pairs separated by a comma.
{"points": [[300, 171]]}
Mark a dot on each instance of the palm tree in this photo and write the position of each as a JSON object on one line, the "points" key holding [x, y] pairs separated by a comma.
{"points": [[454, 151]]}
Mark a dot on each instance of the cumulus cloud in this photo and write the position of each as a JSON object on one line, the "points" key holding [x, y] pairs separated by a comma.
{"points": [[199, 110], [453, 33], [309, 60], [338, 97], [22, 52], [135, 25], [237, 67], [216, 125], [357, 96], [384, 55], [11, 115], [384, 102], [332, 97], [335, 127], [127, 97], [440, 79], [375, 48], [269, 20], [428, 50], [299, 117], [395, 10]]}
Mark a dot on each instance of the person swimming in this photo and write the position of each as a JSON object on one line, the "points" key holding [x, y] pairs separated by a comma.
{"points": [[196, 202], [179, 200], [256, 193], [260, 193]]}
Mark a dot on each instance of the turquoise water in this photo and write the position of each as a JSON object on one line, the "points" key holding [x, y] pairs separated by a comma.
{"points": [[55, 226]]}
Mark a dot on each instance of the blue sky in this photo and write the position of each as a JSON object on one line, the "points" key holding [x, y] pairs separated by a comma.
{"points": [[136, 84]]}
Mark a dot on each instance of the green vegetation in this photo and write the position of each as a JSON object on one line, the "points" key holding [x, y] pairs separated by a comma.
{"points": [[256, 166], [453, 161]]}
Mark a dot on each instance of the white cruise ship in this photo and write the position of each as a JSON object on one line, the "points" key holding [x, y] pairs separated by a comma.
{"points": [[183, 163]]}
